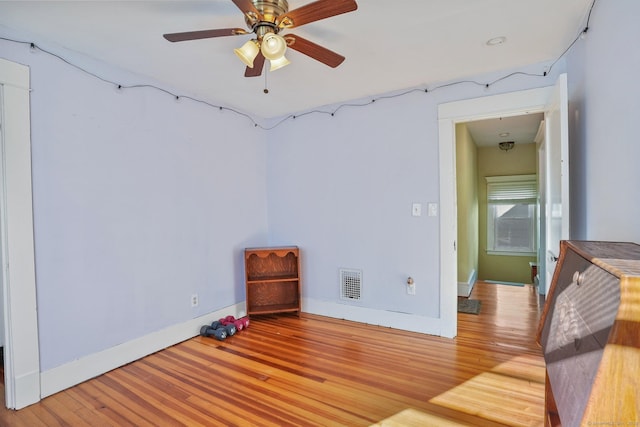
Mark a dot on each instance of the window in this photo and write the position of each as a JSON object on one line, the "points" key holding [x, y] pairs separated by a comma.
{"points": [[511, 215]]}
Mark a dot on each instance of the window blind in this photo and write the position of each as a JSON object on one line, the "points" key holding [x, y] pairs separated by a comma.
{"points": [[512, 189]]}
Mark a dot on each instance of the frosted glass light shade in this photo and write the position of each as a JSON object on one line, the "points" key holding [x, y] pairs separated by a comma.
{"points": [[248, 52], [273, 46], [278, 63]]}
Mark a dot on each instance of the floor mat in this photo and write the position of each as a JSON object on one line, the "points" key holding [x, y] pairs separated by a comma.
{"points": [[471, 306]]}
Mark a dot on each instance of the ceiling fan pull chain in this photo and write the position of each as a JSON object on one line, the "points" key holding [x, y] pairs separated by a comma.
{"points": [[266, 71]]}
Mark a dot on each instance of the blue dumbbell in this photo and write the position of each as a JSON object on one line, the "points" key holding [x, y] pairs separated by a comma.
{"points": [[230, 328], [219, 333]]}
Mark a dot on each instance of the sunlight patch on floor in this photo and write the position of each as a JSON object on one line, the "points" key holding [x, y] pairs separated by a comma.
{"points": [[414, 418], [512, 393]]}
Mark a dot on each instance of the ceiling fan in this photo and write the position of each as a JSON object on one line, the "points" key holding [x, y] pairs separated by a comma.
{"points": [[265, 19]]}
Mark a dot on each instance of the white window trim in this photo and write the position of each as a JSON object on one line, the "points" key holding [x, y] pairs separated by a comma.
{"points": [[507, 253], [489, 237], [511, 178]]}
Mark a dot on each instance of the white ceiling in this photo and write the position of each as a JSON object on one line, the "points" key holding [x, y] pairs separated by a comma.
{"points": [[520, 129], [389, 45]]}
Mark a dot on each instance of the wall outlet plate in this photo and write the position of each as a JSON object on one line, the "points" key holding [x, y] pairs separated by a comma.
{"points": [[194, 300]]}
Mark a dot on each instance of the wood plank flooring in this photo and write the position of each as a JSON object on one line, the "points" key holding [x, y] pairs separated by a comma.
{"points": [[313, 370]]}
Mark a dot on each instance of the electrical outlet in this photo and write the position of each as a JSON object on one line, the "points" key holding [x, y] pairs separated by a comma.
{"points": [[411, 289], [194, 300]]}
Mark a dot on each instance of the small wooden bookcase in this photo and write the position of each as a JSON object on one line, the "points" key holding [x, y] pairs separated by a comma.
{"points": [[272, 280]]}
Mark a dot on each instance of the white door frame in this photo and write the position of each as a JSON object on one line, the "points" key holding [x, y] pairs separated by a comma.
{"points": [[449, 114], [22, 353], [557, 209], [541, 142]]}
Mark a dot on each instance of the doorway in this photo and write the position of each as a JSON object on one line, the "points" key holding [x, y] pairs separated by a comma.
{"points": [[503, 249], [540, 100]]}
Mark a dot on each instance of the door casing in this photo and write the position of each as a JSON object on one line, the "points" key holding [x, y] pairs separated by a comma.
{"points": [[22, 353], [449, 114]]}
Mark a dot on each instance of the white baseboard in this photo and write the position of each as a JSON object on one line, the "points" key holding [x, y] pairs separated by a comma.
{"points": [[465, 288], [26, 388], [390, 319], [73, 373], [78, 371]]}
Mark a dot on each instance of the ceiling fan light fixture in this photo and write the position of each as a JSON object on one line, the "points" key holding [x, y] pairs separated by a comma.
{"points": [[506, 145], [248, 52], [278, 63], [273, 46]]}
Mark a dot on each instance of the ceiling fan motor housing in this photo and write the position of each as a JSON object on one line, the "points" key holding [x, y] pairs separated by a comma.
{"points": [[270, 11]]}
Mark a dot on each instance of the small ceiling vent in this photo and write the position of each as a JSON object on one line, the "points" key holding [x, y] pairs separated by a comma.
{"points": [[350, 284]]}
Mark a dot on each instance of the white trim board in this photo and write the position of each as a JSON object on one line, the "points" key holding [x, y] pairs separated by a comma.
{"points": [[22, 351], [390, 319], [78, 371], [465, 288]]}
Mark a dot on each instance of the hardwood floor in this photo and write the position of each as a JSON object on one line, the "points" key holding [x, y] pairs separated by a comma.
{"points": [[313, 370]]}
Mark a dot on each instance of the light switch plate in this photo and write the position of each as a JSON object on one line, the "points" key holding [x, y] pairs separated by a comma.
{"points": [[416, 209], [432, 208]]}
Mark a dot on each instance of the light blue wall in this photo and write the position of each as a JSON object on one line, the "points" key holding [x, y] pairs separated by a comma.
{"points": [[604, 92], [139, 202], [342, 187]]}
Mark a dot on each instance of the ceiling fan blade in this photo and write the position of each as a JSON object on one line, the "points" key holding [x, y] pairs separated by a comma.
{"points": [[315, 11], [248, 8], [203, 34], [314, 51], [258, 64]]}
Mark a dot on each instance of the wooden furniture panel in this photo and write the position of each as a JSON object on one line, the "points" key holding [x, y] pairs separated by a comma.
{"points": [[272, 280], [590, 334]]}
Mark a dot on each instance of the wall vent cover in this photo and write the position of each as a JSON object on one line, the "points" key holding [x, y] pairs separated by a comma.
{"points": [[350, 284]]}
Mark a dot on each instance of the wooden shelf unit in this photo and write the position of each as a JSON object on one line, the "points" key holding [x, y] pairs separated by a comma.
{"points": [[272, 279]]}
